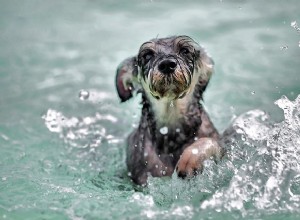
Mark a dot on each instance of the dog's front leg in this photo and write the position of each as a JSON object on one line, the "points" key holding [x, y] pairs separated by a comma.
{"points": [[192, 158], [158, 164], [143, 160]]}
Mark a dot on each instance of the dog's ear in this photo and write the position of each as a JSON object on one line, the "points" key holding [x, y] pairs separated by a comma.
{"points": [[125, 77], [206, 68], [206, 65]]}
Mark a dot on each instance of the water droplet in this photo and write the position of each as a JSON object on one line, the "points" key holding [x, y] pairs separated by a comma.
{"points": [[163, 130], [293, 24], [243, 138], [284, 47], [83, 94], [195, 151], [172, 104]]}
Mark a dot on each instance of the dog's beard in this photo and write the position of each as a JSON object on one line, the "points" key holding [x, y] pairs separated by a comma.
{"points": [[172, 86]]}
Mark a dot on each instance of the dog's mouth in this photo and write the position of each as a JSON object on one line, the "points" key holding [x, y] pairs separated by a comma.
{"points": [[172, 86]]}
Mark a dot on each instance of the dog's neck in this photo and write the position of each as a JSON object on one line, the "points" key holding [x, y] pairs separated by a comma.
{"points": [[168, 112], [171, 123]]}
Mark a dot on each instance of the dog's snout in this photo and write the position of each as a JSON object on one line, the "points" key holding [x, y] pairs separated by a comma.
{"points": [[167, 66]]}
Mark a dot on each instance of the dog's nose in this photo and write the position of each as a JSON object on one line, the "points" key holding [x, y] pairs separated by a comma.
{"points": [[167, 66]]}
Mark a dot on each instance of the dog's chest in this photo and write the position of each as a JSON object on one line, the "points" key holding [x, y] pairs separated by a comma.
{"points": [[170, 134], [168, 112], [171, 139], [175, 123]]}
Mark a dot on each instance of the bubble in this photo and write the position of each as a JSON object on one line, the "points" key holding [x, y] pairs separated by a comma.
{"points": [[253, 92], [163, 130], [83, 94]]}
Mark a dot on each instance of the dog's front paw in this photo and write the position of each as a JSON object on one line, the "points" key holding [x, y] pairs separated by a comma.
{"points": [[190, 162], [192, 158]]}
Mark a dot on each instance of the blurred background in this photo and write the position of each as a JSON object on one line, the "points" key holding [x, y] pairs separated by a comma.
{"points": [[61, 123]]}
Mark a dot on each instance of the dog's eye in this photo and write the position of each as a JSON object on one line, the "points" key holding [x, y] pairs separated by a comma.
{"points": [[184, 51], [148, 56]]}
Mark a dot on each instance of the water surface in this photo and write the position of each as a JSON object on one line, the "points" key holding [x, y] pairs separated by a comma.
{"points": [[62, 128]]}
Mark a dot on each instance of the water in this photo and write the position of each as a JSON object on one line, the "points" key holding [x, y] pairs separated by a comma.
{"points": [[62, 128]]}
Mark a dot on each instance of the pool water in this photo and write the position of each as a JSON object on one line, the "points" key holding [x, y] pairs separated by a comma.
{"points": [[63, 129]]}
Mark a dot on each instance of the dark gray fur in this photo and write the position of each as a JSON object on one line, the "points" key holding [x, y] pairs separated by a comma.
{"points": [[149, 151]]}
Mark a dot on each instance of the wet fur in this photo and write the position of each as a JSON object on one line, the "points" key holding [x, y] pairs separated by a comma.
{"points": [[149, 151]]}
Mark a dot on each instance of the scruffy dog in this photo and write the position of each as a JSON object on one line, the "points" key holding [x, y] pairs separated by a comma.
{"points": [[174, 131]]}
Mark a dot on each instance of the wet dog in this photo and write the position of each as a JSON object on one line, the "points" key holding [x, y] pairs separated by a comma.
{"points": [[175, 132]]}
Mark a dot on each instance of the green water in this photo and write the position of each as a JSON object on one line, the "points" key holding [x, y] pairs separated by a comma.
{"points": [[64, 158]]}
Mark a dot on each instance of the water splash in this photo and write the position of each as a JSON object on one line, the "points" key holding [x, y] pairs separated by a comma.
{"points": [[260, 175], [263, 180], [81, 132]]}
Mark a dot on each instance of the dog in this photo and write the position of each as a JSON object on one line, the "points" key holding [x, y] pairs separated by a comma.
{"points": [[174, 132]]}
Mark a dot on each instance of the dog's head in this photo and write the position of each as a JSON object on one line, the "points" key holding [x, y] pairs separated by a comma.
{"points": [[165, 68]]}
